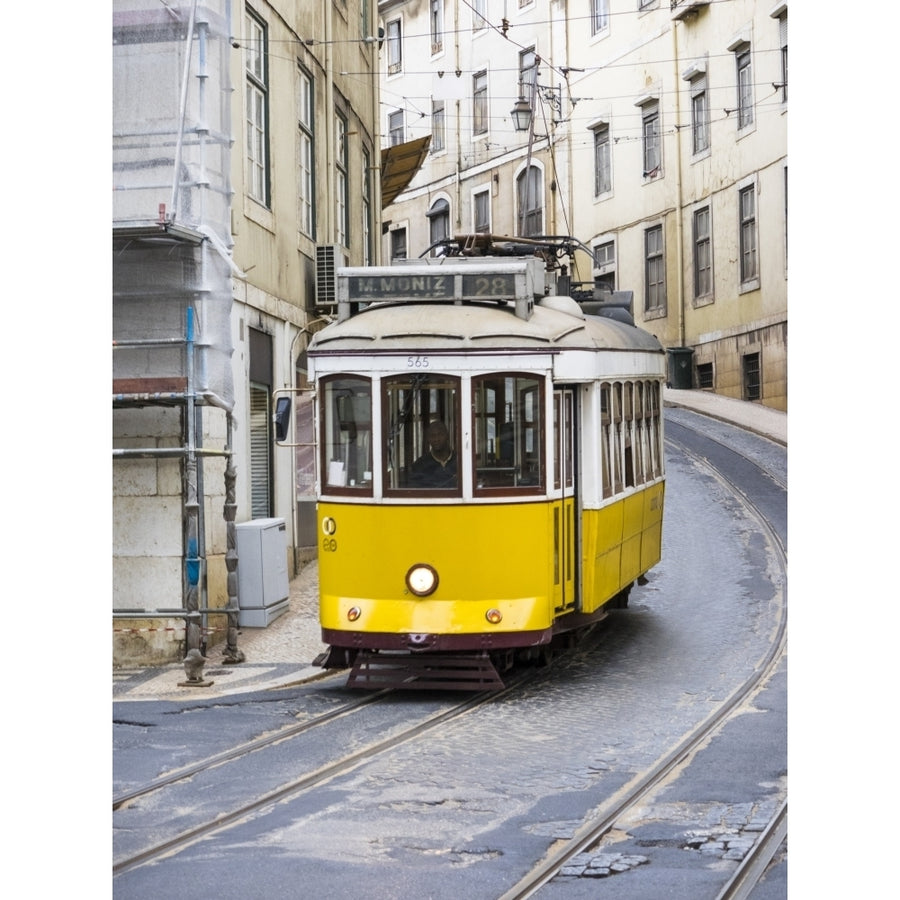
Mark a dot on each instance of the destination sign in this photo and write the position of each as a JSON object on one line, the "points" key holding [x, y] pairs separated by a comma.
{"points": [[384, 287], [438, 286], [519, 283]]}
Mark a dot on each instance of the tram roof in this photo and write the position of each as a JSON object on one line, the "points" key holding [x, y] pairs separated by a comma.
{"points": [[557, 323]]}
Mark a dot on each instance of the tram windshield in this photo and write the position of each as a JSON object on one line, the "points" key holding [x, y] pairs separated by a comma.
{"points": [[507, 428], [421, 451], [417, 442], [346, 429]]}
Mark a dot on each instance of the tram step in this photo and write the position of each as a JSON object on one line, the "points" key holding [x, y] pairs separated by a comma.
{"points": [[377, 671]]}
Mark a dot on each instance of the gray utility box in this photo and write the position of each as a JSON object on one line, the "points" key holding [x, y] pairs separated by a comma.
{"points": [[263, 587]]}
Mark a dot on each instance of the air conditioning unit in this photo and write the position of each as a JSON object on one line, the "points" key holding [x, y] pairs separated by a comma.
{"points": [[329, 258]]}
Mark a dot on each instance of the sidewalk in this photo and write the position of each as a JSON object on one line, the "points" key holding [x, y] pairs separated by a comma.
{"points": [[278, 655], [770, 423], [282, 653]]}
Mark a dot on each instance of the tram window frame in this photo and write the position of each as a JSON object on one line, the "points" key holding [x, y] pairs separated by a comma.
{"points": [[617, 448], [638, 435], [514, 399], [340, 425], [433, 396]]}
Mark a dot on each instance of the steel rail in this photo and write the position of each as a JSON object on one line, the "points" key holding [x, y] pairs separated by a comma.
{"points": [[312, 779], [635, 791], [244, 749], [755, 863]]}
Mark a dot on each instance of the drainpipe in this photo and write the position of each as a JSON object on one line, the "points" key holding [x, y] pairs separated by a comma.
{"points": [[679, 224], [375, 162], [330, 157]]}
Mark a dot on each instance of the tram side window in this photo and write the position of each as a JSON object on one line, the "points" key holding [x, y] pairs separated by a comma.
{"points": [[346, 428], [606, 439], [654, 465], [421, 434], [507, 424], [630, 446], [639, 433], [628, 434]]}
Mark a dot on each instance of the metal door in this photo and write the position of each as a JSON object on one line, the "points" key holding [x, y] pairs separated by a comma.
{"points": [[564, 507]]}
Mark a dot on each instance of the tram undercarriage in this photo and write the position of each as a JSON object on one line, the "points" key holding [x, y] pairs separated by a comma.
{"points": [[427, 668]]}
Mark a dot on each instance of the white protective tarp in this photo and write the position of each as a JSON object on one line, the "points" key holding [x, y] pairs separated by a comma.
{"points": [[172, 143]]}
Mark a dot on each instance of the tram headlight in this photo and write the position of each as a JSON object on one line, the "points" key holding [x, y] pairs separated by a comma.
{"points": [[353, 613], [494, 616], [422, 580]]}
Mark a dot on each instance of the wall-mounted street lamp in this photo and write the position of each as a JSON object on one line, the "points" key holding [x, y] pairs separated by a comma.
{"points": [[522, 114], [523, 111]]}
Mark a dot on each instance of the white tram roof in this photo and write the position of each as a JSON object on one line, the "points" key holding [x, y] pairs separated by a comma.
{"points": [[555, 324]]}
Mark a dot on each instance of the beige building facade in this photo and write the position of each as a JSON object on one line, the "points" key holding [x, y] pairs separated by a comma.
{"points": [[246, 168], [658, 139]]}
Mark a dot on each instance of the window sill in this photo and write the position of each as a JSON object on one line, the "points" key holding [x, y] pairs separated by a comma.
{"points": [[257, 213]]}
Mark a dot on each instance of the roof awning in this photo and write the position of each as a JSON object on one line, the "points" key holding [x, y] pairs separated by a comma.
{"points": [[399, 163]]}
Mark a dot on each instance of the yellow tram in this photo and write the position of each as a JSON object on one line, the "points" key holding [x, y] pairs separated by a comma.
{"points": [[490, 477]]}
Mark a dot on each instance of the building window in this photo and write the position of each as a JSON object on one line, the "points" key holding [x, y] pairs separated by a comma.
{"points": [[599, 16], [394, 47], [395, 127], [750, 376], [703, 284], [436, 17], [782, 37], [651, 140], [744, 87], [306, 179], [365, 28], [479, 103], [439, 222], [482, 204], [527, 74], [437, 126], [342, 181], [705, 379], [605, 266], [602, 161], [257, 113], [479, 15], [530, 192], [748, 254], [398, 243], [654, 270], [699, 115]]}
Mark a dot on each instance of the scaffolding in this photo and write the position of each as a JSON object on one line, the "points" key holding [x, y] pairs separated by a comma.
{"points": [[172, 296]]}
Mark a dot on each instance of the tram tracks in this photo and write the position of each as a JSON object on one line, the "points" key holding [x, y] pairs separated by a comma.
{"points": [[643, 786], [294, 787], [241, 750], [643, 789]]}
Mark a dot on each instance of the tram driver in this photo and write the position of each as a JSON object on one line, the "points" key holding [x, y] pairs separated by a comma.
{"points": [[436, 468]]}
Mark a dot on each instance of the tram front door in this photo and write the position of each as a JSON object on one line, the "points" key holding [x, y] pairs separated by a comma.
{"points": [[564, 512]]}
